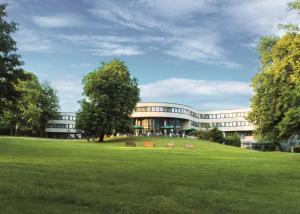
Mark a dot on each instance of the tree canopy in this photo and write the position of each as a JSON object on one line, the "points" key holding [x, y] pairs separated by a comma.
{"points": [[276, 86], [111, 95], [37, 104], [10, 62]]}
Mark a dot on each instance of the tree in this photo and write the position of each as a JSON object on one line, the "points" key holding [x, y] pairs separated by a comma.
{"points": [[10, 63], [295, 6], [276, 85], [38, 104], [111, 95], [290, 125], [49, 105]]}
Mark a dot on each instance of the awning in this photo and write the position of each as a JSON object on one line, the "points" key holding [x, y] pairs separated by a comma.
{"points": [[167, 127], [137, 127]]}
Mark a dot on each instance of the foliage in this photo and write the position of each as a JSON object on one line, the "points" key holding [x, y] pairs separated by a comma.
{"points": [[90, 119], [290, 124], [34, 108], [233, 140], [10, 62], [213, 134], [111, 94], [291, 27], [296, 149], [277, 85], [201, 134]]}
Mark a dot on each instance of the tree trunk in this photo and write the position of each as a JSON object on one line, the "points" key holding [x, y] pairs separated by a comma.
{"points": [[101, 138]]}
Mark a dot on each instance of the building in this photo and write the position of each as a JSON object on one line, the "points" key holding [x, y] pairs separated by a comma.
{"points": [[161, 117], [62, 126]]}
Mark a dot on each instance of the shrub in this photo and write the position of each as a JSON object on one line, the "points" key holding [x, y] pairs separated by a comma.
{"points": [[215, 135], [233, 140], [212, 134], [296, 149]]}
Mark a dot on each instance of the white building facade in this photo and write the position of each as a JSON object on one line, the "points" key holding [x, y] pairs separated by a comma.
{"points": [[157, 117], [62, 126], [151, 116]]}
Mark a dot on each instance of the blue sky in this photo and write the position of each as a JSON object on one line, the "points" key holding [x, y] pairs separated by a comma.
{"points": [[196, 52]]}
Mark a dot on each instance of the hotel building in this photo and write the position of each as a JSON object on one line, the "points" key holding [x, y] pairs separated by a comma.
{"points": [[161, 117]]}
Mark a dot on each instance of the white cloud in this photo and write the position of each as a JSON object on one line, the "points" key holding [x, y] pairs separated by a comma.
{"points": [[69, 92], [182, 41], [179, 87], [32, 41], [205, 48], [179, 8], [105, 45], [258, 17], [57, 21], [68, 86]]}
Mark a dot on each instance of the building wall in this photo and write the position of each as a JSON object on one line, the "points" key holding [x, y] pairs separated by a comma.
{"points": [[62, 126], [232, 120]]}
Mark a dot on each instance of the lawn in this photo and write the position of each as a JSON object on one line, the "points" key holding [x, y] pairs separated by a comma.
{"points": [[72, 176]]}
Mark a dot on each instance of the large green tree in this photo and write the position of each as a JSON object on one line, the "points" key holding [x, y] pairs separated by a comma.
{"points": [[37, 104], [277, 98], [10, 63], [276, 86], [111, 95]]}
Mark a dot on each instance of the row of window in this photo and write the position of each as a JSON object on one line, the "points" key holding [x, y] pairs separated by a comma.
{"points": [[65, 117], [226, 124], [188, 112], [61, 126]]}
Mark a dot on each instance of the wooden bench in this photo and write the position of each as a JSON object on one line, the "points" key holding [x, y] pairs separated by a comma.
{"points": [[149, 144], [170, 145], [189, 146], [130, 144]]}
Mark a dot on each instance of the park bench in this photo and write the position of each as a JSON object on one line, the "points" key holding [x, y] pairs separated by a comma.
{"points": [[130, 143], [149, 144], [189, 146], [170, 145]]}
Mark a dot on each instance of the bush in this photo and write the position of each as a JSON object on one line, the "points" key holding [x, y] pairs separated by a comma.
{"points": [[215, 135], [201, 134], [296, 149], [233, 140]]}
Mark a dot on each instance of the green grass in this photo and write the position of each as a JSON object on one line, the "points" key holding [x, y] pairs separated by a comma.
{"points": [[65, 176]]}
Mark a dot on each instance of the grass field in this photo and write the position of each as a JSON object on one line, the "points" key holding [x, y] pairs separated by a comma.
{"points": [[65, 176]]}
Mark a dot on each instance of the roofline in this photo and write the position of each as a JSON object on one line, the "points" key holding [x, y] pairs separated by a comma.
{"points": [[199, 109]]}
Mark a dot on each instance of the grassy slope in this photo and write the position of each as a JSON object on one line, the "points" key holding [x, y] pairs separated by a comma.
{"points": [[63, 176]]}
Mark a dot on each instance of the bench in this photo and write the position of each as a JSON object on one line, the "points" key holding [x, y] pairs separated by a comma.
{"points": [[189, 146], [130, 143], [170, 145], [149, 144]]}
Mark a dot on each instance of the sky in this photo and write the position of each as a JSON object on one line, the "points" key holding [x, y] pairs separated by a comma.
{"points": [[200, 53]]}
